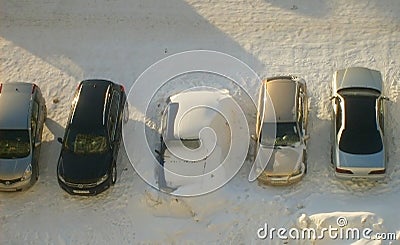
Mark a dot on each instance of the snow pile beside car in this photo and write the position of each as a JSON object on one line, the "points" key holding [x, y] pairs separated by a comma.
{"points": [[352, 219], [345, 226]]}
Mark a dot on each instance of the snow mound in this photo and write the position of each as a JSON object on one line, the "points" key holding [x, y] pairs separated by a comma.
{"points": [[341, 219]]}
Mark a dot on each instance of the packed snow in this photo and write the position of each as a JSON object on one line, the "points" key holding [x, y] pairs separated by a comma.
{"points": [[56, 44]]}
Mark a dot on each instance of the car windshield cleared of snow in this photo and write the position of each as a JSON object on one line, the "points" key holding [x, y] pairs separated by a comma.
{"points": [[286, 134], [360, 134], [86, 143], [14, 144]]}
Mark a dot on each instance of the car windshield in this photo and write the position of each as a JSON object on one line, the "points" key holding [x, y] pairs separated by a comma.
{"points": [[286, 134], [14, 144], [191, 143], [83, 142], [360, 134]]}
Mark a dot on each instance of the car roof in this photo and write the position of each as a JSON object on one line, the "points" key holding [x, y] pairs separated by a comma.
{"points": [[182, 105], [360, 138], [15, 99], [282, 91], [358, 77], [90, 109]]}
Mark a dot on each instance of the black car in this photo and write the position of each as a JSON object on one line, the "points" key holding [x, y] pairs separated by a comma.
{"points": [[88, 158]]}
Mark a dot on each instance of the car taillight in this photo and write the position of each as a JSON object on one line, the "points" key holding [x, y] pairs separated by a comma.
{"points": [[33, 88], [122, 88], [382, 171], [343, 171]]}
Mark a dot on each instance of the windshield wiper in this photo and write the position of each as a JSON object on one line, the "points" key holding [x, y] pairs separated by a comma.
{"points": [[271, 146], [285, 145]]}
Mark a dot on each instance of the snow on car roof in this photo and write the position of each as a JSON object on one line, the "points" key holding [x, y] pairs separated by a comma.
{"points": [[196, 110]]}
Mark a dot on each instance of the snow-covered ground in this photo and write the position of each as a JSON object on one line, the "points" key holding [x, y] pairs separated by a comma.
{"points": [[57, 43]]}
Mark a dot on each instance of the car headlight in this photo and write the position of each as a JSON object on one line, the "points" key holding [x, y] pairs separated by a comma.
{"points": [[297, 171], [61, 178], [60, 165], [28, 172], [102, 179]]}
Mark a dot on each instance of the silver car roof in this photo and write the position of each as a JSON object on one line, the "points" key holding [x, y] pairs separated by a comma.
{"points": [[357, 77], [15, 101]]}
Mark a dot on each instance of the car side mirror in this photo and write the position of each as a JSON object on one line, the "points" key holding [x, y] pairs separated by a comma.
{"points": [[306, 137], [158, 152], [253, 137], [60, 140], [37, 144], [332, 97]]}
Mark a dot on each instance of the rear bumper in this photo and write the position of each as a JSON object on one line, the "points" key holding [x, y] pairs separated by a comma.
{"points": [[82, 190], [356, 177]]}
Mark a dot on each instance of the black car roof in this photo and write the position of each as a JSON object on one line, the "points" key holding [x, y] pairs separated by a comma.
{"points": [[90, 109], [360, 135]]}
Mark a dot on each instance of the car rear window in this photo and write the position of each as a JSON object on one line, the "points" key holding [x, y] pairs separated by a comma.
{"points": [[14, 144]]}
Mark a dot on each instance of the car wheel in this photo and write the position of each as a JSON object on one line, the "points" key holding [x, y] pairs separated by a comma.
{"points": [[113, 174], [35, 174], [305, 162]]}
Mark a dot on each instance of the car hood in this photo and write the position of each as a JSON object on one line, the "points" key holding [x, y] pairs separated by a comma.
{"points": [[77, 168], [13, 168], [347, 160], [284, 160]]}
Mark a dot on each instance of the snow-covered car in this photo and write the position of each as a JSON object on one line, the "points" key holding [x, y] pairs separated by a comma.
{"points": [[22, 116], [357, 135], [286, 162], [186, 150]]}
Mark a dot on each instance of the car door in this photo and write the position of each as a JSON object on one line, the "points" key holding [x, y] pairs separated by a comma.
{"points": [[114, 120], [302, 119], [261, 109], [35, 135], [381, 114], [42, 114], [260, 117], [300, 110], [337, 123], [305, 106]]}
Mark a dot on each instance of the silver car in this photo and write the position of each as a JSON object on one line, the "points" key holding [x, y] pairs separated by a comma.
{"points": [[357, 135], [22, 116], [286, 162]]}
